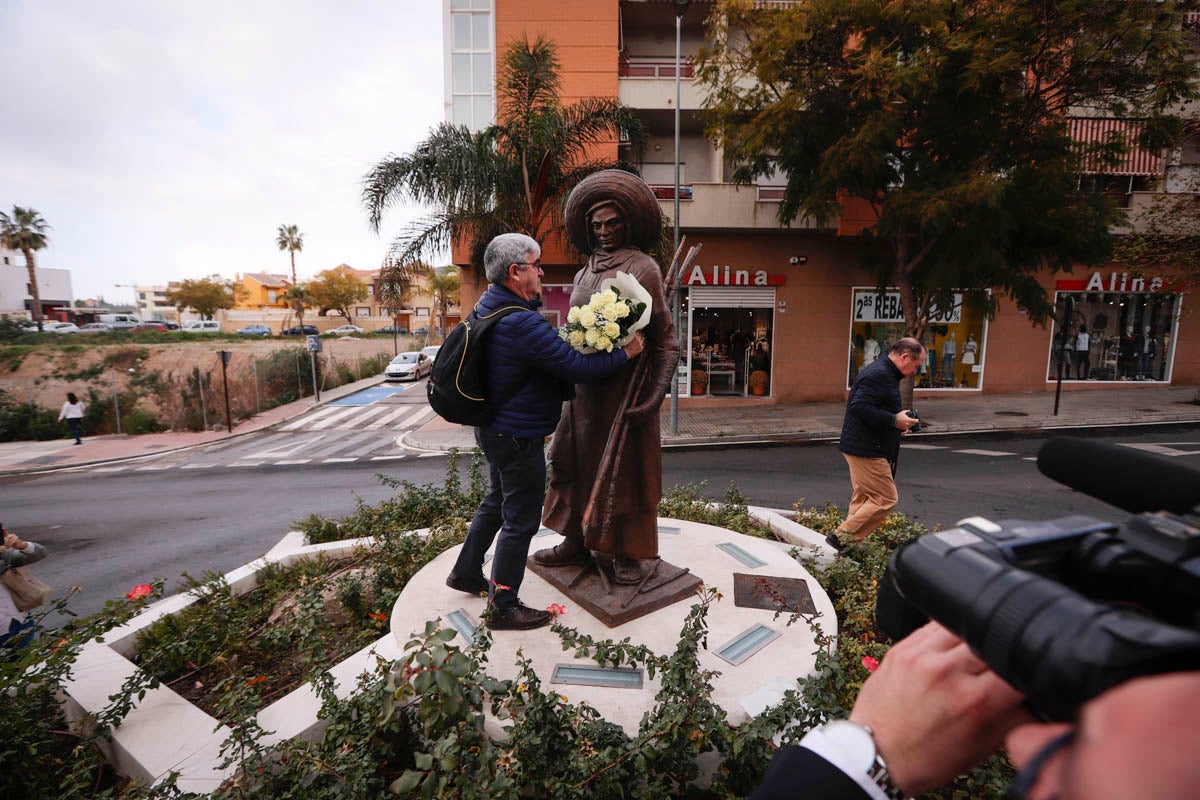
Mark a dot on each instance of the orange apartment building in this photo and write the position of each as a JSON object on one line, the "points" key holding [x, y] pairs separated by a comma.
{"points": [[797, 291]]}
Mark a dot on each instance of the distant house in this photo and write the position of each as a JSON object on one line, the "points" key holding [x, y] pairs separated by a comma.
{"points": [[262, 290]]}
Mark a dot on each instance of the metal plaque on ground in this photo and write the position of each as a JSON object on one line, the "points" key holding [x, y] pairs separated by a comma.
{"points": [[772, 593]]}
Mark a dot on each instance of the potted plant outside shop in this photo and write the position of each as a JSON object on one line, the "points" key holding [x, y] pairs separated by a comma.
{"points": [[699, 381], [759, 381]]}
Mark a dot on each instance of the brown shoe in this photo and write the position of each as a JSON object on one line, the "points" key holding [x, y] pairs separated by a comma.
{"points": [[568, 552], [519, 617]]}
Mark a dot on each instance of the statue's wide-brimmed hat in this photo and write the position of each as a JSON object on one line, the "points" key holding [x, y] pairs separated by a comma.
{"points": [[632, 197]]}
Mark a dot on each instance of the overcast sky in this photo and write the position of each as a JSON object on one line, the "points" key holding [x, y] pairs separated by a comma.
{"points": [[163, 140]]}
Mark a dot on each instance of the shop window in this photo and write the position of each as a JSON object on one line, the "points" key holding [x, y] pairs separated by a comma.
{"points": [[955, 338], [1113, 336], [362, 311], [731, 345]]}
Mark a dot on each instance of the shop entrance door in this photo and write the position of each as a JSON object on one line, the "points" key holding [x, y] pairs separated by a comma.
{"points": [[731, 340]]}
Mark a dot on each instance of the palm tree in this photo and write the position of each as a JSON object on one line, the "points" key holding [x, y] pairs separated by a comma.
{"points": [[512, 176], [297, 296], [291, 239], [26, 230], [394, 288], [443, 284]]}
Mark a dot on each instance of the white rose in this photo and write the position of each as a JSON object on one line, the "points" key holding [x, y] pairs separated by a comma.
{"points": [[608, 297], [620, 310], [590, 337], [575, 339], [573, 314], [612, 330], [603, 343], [587, 318]]}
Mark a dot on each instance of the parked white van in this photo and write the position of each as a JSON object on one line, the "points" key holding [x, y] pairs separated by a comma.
{"points": [[120, 322], [202, 326]]}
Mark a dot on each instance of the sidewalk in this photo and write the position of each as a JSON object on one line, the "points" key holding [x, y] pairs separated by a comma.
{"points": [[717, 422], [703, 422]]}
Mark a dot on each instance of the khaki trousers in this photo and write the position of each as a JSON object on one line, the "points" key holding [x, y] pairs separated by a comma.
{"points": [[873, 499]]}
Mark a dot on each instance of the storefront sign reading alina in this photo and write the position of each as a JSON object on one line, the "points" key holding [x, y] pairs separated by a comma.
{"points": [[1113, 283], [728, 276], [871, 306]]}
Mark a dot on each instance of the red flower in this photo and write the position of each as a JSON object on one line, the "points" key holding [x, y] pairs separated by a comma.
{"points": [[870, 663], [256, 681], [556, 609], [500, 587], [380, 617], [139, 591]]}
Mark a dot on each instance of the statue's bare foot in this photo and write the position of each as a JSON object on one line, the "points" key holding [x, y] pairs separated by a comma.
{"points": [[569, 552], [628, 571]]}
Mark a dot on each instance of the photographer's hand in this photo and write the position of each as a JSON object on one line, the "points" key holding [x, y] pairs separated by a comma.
{"points": [[935, 709]]}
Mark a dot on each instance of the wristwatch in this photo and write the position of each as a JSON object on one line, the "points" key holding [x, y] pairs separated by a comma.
{"points": [[857, 742]]}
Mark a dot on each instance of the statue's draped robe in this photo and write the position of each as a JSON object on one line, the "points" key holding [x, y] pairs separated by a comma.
{"points": [[587, 421]]}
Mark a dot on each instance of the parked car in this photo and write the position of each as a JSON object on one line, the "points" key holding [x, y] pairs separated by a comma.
{"points": [[409, 366], [202, 326], [121, 322], [255, 329], [345, 330], [300, 330], [96, 327], [154, 325], [422, 332], [431, 352], [60, 327], [166, 323], [390, 329]]}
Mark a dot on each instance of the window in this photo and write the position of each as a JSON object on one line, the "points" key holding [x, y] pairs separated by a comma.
{"points": [[362, 311], [270, 295], [471, 102], [1122, 335]]}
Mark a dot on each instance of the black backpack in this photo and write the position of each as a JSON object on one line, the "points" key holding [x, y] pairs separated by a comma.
{"points": [[459, 377]]}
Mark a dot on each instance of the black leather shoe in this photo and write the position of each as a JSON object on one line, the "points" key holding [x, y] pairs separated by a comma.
{"points": [[568, 552], [833, 541], [477, 585], [518, 618]]}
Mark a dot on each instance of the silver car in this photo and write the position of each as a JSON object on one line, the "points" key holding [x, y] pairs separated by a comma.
{"points": [[408, 367]]}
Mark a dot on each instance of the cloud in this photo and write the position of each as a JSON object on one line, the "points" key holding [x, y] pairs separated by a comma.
{"points": [[169, 140]]}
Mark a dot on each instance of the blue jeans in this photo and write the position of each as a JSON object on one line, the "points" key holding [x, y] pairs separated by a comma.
{"points": [[73, 424], [20, 634], [513, 508]]}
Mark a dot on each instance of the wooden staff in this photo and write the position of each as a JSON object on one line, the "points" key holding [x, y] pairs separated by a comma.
{"points": [[615, 447]]}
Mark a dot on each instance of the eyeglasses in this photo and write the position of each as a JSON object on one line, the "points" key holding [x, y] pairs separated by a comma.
{"points": [[535, 265]]}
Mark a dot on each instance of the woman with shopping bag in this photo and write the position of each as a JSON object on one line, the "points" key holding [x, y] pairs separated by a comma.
{"points": [[20, 591]]}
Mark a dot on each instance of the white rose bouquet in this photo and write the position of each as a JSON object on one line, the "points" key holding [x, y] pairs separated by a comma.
{"points": [[610, 318]]}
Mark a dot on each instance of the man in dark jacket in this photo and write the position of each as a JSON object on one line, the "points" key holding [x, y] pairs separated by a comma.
{"points": [[530, 372], [871, 439]]}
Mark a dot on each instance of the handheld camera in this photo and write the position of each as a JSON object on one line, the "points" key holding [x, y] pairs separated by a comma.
{"points": [[1067, 608]]}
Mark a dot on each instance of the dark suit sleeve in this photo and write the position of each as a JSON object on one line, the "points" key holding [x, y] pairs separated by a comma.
{"points": [[797, 773]]}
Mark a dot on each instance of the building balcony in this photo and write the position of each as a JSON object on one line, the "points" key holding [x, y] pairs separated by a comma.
{"points": [[729, 206], [649, 83]]}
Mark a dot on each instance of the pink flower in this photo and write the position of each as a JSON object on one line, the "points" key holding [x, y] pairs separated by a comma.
{"points": [[140, 591], [870, 663], [556, 609], [500, 587]]}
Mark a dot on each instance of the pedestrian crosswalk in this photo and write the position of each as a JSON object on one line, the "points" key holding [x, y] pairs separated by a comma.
{"points": [[1172, 449]]}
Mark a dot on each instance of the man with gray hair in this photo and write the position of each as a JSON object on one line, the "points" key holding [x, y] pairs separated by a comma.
{"points": [[870, 439], [530, 372]]}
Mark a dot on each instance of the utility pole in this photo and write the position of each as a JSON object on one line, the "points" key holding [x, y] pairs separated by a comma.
{"points": [[681, 7]]}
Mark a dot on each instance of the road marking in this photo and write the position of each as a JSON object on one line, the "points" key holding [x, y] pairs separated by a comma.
{"points": [[287, 449], [383, 421], [430, 455], [307, 418], [1029, 458], [152, 468], [199, 466], [1165, 449], [347, 444], [293, 461], [247, 464], [984, 453], [388, 458], [908, 446], [418, 417], [343, 413], [338, 460], [110, 469]]}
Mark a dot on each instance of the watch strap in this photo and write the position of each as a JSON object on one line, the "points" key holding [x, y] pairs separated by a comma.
{"points": [[879, 774]]}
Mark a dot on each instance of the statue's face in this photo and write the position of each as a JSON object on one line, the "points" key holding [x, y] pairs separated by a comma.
{"points": [[608, 228]]}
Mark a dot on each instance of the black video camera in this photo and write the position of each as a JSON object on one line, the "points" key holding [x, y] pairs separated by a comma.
{"points": [[1068, 608]]}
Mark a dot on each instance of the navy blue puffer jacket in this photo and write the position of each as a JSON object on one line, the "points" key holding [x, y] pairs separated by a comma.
{"points": [[869, 428], [524, 350]]}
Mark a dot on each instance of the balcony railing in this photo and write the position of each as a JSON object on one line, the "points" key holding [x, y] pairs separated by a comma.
{"points": [[770, 194], [638, 67]]}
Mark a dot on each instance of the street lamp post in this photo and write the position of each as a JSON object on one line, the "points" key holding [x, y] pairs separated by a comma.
{"points": [[681, 7]]}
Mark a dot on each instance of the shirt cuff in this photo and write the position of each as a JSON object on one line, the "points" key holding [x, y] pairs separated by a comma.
{"points": [[816, 741]]}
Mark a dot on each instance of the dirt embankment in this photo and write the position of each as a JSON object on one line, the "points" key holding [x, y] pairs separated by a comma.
{"points": [[158, 376]]}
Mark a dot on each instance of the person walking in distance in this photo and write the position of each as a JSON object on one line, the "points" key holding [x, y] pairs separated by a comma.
{"points": [[72, 412], [530, 372], [870, 440]]}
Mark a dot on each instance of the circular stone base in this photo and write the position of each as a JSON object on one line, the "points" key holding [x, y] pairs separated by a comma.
{"points": [[758, 655]]}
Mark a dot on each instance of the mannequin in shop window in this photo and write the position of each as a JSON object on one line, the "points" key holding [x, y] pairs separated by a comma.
{"points": [[871, 351], [970, 351], [1083, 361], [614, 219], [949, 353], [1127, 366], [1146, 348]]}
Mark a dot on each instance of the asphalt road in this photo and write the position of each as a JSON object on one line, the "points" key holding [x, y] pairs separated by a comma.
{"points": [[109, 531]]}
